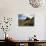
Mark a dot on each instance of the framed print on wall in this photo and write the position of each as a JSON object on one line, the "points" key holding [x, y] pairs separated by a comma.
{"points": [[24, 20]]}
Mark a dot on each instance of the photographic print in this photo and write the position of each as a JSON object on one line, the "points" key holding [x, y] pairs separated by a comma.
{"points": [[24, 20]]}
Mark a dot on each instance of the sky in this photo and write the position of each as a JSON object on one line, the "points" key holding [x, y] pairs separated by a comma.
{"points": [[21, 17]]}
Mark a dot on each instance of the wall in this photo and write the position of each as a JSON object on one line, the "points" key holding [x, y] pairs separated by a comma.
{"points": [[10, 8]]}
